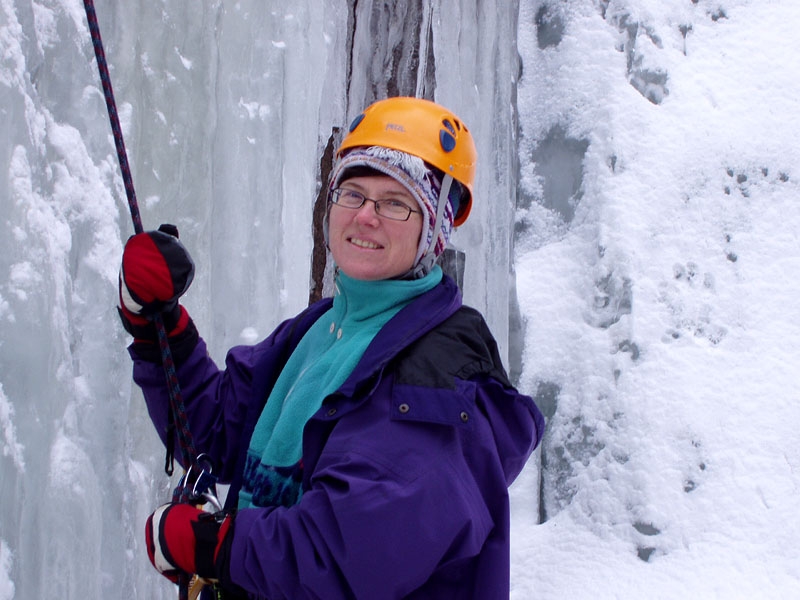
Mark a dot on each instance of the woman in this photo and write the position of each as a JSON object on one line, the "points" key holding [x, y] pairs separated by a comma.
{"points": [[369, 441]]}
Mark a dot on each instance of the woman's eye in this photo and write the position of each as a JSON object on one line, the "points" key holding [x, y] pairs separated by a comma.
{"points": [[350, 198], [395, 204]]}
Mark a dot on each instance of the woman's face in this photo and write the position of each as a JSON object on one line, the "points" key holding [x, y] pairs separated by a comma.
{"points": [[366, 245]]}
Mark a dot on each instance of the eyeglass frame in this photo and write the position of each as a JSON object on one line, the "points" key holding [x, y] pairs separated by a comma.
{"points": [[335, 193]]}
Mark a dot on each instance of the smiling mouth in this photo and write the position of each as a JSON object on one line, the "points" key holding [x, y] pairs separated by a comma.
{"points": [[364, 244]]}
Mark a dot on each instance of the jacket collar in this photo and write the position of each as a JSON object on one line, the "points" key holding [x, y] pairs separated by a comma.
{"points": [[411, 323]]}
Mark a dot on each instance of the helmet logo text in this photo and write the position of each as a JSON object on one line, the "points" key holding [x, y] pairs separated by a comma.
{"points": [[395, 127]]}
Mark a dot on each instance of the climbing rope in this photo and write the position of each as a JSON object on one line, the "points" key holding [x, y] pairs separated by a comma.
{"points": [[178, 411], [187, 491], [105, 78]]}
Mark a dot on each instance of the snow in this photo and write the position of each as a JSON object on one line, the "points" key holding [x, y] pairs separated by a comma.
{"points": [[11, 447], [6, 584], [664, 312], [655, 256]]}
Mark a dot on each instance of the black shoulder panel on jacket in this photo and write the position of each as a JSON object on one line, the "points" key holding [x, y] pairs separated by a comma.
{"points": [[460, 347]]}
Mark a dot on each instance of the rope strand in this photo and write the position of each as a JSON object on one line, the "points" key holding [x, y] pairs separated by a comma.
{"points": [[188, 452], [108, 92], [177, 409]]}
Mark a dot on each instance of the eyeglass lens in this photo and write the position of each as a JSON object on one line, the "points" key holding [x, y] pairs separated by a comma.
{"points": [[391, 209]]}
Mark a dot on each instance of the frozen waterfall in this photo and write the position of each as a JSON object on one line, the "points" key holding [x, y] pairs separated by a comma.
{"points": [[227, 109]]}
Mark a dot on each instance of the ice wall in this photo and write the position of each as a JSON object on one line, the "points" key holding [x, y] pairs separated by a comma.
{"points": [[226, 108]]}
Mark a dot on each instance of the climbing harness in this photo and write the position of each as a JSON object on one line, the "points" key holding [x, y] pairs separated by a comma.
{"points": [[198, 485]]}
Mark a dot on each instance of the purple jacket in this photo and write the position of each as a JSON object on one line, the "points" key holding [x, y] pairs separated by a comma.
{"points": [[406, 466]]}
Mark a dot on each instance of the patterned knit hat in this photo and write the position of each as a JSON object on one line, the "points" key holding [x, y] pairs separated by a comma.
{"points": [[423, 183]]}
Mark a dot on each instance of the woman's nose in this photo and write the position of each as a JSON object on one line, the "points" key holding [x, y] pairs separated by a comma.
{"points": [[368, 212]]}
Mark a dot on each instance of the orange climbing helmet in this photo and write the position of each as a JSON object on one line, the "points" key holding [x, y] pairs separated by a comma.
{"points": [[424, 129]]}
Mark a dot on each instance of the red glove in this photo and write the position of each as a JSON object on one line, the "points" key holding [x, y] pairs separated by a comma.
{"points": [[184, 539], [156, 271]]}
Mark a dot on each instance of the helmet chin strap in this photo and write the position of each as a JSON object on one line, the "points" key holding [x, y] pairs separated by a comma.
{"points": [[428, 260]]}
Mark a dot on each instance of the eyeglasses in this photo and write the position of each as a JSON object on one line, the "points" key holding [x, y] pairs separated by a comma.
{"points": [[391, 209]]}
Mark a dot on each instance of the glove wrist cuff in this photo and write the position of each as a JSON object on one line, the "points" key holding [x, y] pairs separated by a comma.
{"points": [[181, 332]]}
